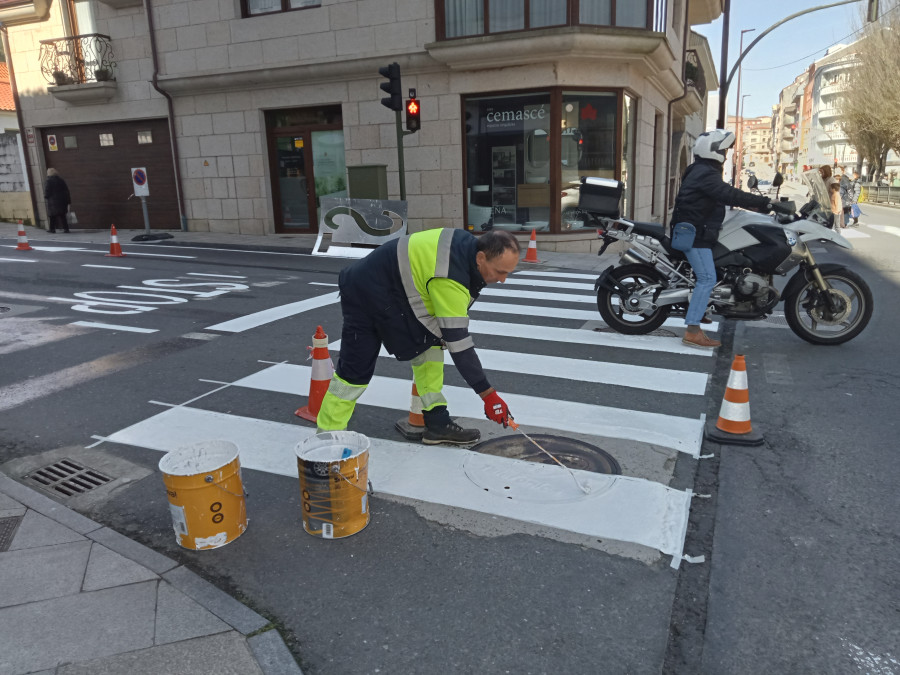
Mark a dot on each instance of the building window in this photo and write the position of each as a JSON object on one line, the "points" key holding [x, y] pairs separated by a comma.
{"points": [[257, 7], [464, 18], [70, 142], [525, 155], [106, 139], [144, 137]]}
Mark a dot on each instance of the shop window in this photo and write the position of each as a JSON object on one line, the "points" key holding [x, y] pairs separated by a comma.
{"points": [[513, 181], [627, 176], [106, 140], [257, 7], [144, 137]]}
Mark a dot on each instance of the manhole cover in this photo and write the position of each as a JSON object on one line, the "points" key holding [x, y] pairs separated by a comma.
{"points": [[7, 531], [573, 453], [659, 332], [67, 478]]}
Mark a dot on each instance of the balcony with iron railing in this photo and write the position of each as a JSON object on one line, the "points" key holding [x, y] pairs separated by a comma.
{"points": [[693, 73], [81, 69]]}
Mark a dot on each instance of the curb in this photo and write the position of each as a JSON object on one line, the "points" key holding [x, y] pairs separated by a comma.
{"points": [[268, 648]]}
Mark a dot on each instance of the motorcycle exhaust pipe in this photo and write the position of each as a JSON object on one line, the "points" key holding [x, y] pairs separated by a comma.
{"points": [[673, 296], [632, 256]]}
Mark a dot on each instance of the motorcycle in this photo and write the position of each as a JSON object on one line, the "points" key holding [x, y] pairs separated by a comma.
{"points": [[824, 304]]}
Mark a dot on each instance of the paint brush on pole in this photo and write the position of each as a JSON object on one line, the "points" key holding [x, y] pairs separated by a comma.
{"points": [[586, 490]]}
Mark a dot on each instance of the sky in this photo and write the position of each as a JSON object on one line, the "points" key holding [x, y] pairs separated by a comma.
{"points": [[782, 54]]}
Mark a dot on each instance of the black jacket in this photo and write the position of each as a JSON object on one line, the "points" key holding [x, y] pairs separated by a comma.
{"points": [[702, 199], [56, 192]]}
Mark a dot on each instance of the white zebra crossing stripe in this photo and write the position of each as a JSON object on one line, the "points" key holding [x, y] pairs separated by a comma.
{"points": [[618, 507], [581, 336], [242, 323], [580, 370], [554, 275], [668, 431], [514, 281]]}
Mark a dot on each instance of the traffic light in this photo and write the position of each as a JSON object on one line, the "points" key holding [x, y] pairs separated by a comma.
{"points": [[392, 87], [872, 13], [413, 111]]}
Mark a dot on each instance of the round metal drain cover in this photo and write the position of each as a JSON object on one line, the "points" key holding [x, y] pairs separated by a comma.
{"points": [[659, 332], [573, 453]]}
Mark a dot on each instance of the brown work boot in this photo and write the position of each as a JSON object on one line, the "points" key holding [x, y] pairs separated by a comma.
{"points": [[699, 339], [452, 434]]}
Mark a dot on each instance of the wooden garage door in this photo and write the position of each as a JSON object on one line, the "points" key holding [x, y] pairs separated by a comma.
{"points": [[96, 160]]}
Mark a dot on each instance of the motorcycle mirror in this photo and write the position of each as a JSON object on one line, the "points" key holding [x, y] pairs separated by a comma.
{"points": [[778, 180], [752, 182]]}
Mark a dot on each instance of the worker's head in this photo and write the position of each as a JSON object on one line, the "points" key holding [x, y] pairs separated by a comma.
{"points": [[714, 145], [497, 256]]}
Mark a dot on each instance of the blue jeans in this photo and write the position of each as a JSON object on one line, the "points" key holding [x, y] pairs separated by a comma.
{"points": [[701, 259]]}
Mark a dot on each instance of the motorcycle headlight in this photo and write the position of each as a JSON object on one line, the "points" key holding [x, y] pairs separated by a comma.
{"points": [[791, 237]]}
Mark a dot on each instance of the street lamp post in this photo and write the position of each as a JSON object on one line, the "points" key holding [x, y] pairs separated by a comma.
{"points": [[737, 104], [740, 152]]}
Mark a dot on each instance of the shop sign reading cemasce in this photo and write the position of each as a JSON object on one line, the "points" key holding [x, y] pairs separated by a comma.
{"points": [[512, 120]]}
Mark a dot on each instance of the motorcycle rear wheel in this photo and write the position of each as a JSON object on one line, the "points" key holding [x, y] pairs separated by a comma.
{"points": [[812, 319], [610, 303]]}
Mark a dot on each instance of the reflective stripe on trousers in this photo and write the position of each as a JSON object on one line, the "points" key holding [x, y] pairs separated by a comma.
{"points": [[428, 372], [338, 404]]}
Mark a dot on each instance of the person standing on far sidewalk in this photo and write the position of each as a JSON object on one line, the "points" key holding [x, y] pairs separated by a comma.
{"points": [[856, 188], [56, 192], [701, 202]]}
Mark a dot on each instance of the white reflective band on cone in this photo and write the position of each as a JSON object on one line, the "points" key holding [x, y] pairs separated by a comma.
{"points": [[735, 412], [737, 379]]}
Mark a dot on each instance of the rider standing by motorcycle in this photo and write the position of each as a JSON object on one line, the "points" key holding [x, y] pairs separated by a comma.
{"points": [[701, 202]]}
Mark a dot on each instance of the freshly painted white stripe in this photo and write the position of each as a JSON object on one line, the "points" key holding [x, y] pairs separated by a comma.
{"points": [[680, 433], [515, 281], [737, 379], [223, 276], [17, 260], [321, 283], [555, 275], [566, 336], [618, 507], [160, 255], [735, 412], [889, 229], [537, 295], [112, 326], [109, 267], [52, 249], [855, 234], [274, 314], [564, 313], [579, 370]]}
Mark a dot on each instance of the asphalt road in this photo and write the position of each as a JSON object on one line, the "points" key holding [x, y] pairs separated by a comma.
{"points": [[798, 534]]}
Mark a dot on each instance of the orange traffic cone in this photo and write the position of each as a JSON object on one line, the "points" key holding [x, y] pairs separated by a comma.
{"points": [[322, 368], [414, 427], [23, 239], [115, 249], [531, 253], [733, 426]]}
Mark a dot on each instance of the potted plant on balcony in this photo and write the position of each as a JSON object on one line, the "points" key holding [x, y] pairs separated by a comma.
{"points": [[61, 78], [103, 74]]}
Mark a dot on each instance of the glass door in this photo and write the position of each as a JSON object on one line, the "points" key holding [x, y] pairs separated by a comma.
{"points": [[329, 165], [293, 180]]}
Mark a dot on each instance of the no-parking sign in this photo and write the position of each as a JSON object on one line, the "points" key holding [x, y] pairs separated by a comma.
{"points": [[141, 185]]}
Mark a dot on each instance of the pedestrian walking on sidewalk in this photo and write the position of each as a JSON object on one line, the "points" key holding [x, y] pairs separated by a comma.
{"points": [[856, 190], [701, 202], [56, 193], [833, 186], [412, 295], [846, 195]]}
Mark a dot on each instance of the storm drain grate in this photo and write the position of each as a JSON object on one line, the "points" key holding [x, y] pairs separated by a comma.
{"points": [[68, 478], [8, 531]]}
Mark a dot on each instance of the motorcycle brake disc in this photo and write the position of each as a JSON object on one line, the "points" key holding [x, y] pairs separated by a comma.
{"points": [[823, 315]]}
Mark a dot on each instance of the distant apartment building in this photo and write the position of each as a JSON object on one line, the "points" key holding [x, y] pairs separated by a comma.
{"points": [[15, 199], [245, 113]]}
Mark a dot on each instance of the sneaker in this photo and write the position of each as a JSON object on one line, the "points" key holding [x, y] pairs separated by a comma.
{"points": [[706, 320], [699, 339], [451, 433]]}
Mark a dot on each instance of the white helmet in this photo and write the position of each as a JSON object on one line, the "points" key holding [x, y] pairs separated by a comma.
{"points": [[714, 144]]}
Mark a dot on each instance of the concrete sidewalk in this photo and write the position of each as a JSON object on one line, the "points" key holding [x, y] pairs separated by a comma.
{"points": [[79, 598]]}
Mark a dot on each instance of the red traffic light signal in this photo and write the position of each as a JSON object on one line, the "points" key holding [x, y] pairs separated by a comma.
{"points": [[413, 110]]}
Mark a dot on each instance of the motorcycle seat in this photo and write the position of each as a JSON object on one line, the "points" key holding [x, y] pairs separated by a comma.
{"points": [[655, 230]]}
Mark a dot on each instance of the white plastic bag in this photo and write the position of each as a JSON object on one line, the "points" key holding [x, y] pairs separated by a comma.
{"points": [[71, 218]]}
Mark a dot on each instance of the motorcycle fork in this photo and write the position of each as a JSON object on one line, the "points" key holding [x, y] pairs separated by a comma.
{"points": [[812, 268]]}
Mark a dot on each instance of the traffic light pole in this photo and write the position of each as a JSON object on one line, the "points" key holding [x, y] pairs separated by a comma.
{"points": [[400, 163]]}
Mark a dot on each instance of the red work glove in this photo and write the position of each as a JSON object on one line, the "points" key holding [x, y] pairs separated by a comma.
{"points": [[495, 409]]}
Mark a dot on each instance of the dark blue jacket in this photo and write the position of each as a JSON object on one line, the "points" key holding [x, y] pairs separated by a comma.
{"points": [[702, 199]]}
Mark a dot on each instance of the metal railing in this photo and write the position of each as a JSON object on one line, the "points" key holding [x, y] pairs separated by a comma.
{"points": [[880, 194], [693, 72], [78, 59]]}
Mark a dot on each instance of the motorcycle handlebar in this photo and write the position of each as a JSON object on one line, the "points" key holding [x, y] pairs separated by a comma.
{"points": [[783, 208]]}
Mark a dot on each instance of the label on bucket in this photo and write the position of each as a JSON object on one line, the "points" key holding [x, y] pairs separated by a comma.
{"points": [[365, 502], [179, 522], [327, 531]]}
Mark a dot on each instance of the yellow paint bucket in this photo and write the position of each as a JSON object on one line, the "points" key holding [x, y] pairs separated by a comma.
{"points": [[206, 494], [334, 471]]}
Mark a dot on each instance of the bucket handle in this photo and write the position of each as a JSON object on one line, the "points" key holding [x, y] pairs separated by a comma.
{"points": [[337, 470], [210, 479]]}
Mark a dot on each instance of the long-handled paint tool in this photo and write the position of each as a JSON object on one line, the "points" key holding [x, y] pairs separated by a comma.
{"points": [[586, 490]]}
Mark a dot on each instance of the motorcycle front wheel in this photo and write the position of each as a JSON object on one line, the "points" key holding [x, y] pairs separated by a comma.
{"points": [[830, 317], [631, 279]]}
